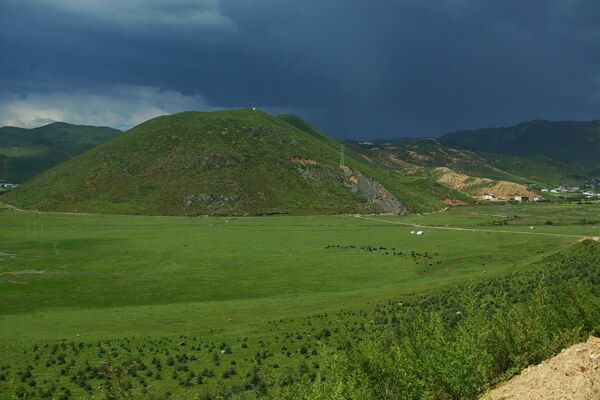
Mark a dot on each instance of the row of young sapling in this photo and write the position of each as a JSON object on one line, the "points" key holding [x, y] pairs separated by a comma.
{"points": [[70, 369]]}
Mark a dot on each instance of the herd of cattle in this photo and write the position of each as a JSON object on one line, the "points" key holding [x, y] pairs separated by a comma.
{"points": [[415, 256]]}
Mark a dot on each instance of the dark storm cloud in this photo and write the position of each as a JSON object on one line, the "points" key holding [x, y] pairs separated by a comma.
{"points": [[356, 69]]}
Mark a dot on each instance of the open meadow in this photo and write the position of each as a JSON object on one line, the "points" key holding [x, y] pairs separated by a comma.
{"points": [[201, 303]]}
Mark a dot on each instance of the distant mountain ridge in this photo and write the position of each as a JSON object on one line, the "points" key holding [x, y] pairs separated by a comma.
{"points": [[434, 153], [471, 172], [574, 142], [247, 162], [231, 162], [25, 153]]}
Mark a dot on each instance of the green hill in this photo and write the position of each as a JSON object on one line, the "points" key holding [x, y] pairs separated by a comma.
{"points": [[25, 153], [232, 162], [433, 153], [472, 173], [246, 162], [573, 142], [419, 192]]}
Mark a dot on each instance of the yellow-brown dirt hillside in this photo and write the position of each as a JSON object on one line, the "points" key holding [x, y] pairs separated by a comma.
{"points": [[574, 374], [477, 187]]}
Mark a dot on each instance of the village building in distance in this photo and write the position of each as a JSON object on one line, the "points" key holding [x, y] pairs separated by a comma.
{"points": [[492, 197], [7, 185], [588, 192]]}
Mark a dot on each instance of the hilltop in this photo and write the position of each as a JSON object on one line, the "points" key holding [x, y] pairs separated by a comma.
{"points": [[25, 153], [574, 142], [232, 162]]}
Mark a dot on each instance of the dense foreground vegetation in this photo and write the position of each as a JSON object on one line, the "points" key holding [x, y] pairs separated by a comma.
{"points": [[330, 307], [457, 343], [451, 344]]}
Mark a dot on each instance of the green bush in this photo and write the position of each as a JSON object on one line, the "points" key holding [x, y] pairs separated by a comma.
{"points": [[474, 341]]}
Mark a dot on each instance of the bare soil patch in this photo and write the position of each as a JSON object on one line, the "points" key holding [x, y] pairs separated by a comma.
{"points": [[595, 238], [418, 156], [304, 161], [574, 374], [7, 255], [479, 186], [455, 202], [31, 271], [12, 281]]}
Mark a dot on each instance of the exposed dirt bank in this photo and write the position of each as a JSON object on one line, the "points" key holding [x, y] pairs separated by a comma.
{"points": [[479, 186], [574, 374]]}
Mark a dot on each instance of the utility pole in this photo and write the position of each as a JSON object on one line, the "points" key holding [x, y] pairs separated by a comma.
{"points": [[342, 160]]}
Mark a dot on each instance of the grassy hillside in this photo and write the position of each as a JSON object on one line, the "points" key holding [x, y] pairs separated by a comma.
{"points": [[419, 192], [576, 143], [470, 172], [460, 342], [233, 162], [244, 162], [25, 153]]}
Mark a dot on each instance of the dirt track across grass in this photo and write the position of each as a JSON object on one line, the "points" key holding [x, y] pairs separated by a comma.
{"points": [[472, 229]]}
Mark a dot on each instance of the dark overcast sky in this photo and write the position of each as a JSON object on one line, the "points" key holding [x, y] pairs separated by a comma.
{"points": [[355, 68]]}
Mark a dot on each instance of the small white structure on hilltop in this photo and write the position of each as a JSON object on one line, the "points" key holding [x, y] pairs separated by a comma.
{"points": [[420, 232]]}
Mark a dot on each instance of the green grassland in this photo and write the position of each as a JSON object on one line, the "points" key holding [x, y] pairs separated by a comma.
{"points": [[242, 292]]}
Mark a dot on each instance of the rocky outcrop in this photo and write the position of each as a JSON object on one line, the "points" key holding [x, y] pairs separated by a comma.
{"points": [[594, 183], [373, 191]]}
